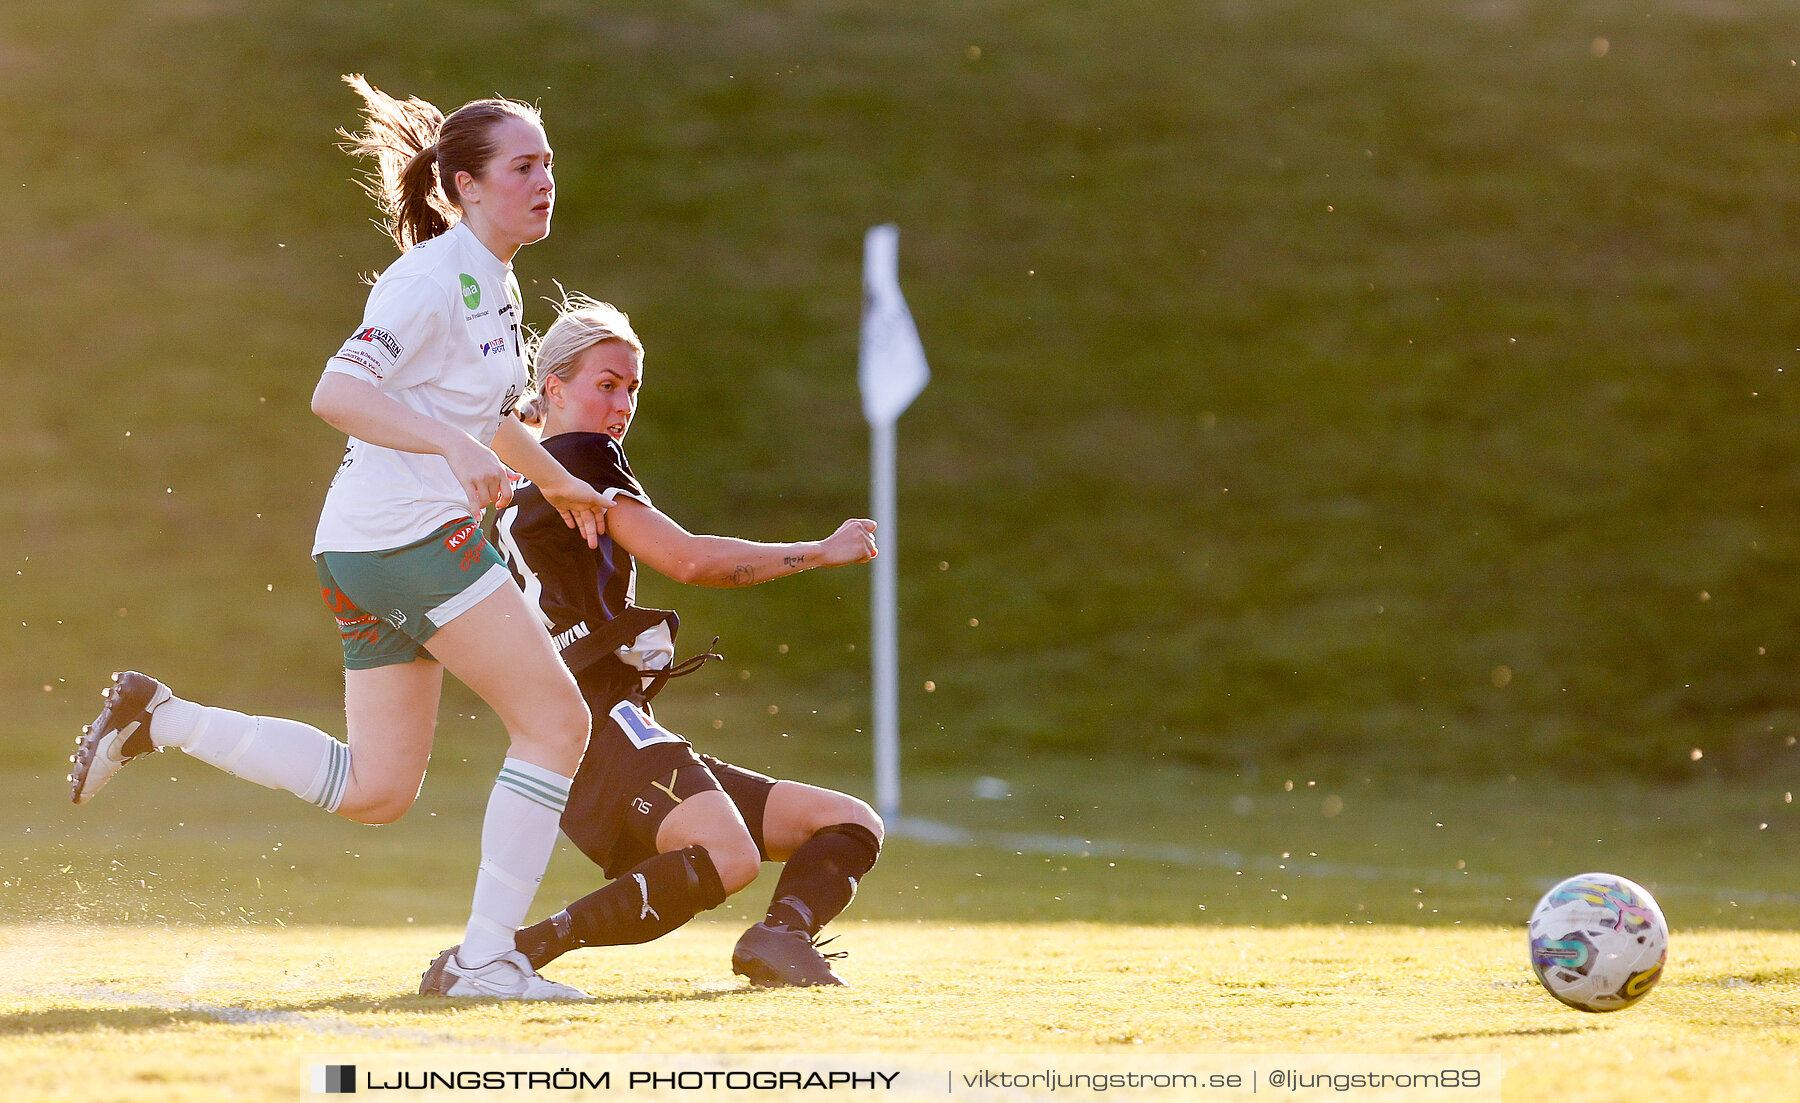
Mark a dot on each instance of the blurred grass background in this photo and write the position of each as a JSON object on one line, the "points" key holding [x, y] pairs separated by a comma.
{"points": [[1392, 390]]}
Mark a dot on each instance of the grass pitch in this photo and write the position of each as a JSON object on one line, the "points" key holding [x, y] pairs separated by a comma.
{"points": [[205, 1013], [200, 938]]}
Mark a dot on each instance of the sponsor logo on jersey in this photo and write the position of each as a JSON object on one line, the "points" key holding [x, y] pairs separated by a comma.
{"points": [[579, 632], [471, 291], [469, 539], [362, 360], [353, 623], [456, 539], [367, 630], [380, 337], [494, 347], [339, 603]]}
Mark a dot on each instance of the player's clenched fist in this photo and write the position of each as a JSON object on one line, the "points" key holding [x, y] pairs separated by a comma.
{"points": [[853, 542]]}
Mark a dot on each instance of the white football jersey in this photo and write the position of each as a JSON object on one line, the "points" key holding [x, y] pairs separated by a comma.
{"points": [[441, 336]]}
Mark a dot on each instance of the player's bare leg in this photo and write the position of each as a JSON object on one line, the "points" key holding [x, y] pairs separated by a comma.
{"points": [[829, 842]]}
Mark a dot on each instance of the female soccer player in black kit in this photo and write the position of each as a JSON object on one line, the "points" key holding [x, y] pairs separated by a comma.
{"points": [[678, 831]]}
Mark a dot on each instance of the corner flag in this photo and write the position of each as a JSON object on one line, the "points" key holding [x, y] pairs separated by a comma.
{"points": [[891, 370], [891, 367]]}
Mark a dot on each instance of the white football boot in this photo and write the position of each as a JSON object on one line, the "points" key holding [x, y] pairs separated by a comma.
{"points": [[508, 977]]}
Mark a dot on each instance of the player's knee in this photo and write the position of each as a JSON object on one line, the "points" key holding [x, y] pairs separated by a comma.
{"points": [[558, 733], [376, 815], [862, 815], [736, 860], [378, 806], [833, 808], [573, 724]]}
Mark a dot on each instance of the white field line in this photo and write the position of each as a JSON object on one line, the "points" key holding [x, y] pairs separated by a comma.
{"points": [[944, 834], [294, 1020]]}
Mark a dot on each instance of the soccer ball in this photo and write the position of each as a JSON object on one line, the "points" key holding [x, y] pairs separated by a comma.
{"points": [[1598, 942]]}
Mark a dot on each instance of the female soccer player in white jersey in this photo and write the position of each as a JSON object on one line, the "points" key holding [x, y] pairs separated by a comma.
{"points": [[679, 831], [423, 388]]}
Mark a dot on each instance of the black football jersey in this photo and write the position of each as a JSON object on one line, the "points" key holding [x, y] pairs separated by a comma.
{"points": [[579, 589]]}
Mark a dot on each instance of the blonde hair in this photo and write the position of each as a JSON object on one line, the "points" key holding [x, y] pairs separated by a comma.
{"points": [[581, 323], [417, 153]]}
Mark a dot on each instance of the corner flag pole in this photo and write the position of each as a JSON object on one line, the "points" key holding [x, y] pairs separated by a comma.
{"points": [[885, 624], [891, 370]]}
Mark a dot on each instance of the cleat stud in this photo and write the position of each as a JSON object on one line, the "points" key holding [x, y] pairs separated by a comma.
{"points": [[86, 728]]}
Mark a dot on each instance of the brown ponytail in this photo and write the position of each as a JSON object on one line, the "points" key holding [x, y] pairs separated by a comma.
{"points": [[417, 153]]}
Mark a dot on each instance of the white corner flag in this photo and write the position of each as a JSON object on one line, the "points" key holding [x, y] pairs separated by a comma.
{"points": [[891, 371], [891, 367]]}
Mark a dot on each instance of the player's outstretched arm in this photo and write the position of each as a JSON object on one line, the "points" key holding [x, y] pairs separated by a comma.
{"points": [[582, 507], [661, 544]]}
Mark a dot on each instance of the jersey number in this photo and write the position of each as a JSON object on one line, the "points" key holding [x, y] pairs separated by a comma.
{"points": [[640, 728]]}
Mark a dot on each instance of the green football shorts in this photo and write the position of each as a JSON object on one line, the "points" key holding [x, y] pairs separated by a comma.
{"points": [[388, 603]]}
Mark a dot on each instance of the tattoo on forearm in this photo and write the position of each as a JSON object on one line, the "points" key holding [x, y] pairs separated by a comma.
{"points": [[794, 561], [744, 575]]}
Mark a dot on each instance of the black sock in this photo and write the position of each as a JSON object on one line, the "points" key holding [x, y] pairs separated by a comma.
{"points": [[819, 880], [655, 897]]}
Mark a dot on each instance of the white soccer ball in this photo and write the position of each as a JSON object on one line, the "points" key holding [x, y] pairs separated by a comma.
{"points": [[1598, 942]]}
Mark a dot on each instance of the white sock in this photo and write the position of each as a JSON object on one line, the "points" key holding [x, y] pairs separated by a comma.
{"points": [[517, 839], [281, 754]]}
